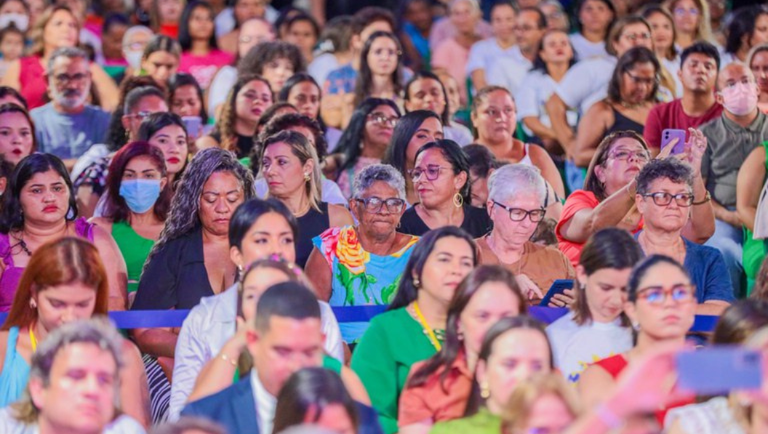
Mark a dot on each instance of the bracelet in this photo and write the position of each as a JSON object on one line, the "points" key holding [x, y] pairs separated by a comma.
{"points": [[228, 360], [607, 417], [629, 190], [707, 198]]}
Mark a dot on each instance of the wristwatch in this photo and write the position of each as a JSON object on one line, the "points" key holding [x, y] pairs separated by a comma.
{"points": [[707, 198]]}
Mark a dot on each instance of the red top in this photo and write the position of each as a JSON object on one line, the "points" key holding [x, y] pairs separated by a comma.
{"points": [[671, 115], [615, 365], [577, 201], [32, 80]]}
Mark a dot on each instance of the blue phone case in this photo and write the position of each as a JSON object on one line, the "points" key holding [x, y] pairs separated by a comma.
{"points": [[719, 369], [670, 134], [558, 287]]}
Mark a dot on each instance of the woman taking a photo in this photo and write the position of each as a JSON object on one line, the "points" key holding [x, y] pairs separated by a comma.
{"points": [[367, 262], [631, 96], [441, 179], [438, 388], [414, 130], [365, 140], [247, 101], [494, 115], [608, 197], [39, 207], [137, 202], [517, 199], [185, 97], [413, 328], [291, 169], [65, 281], [596, 327]]}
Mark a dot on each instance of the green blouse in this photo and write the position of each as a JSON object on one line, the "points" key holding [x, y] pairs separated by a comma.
{"points": [[135, 250], [393, 342], [484, 422]]}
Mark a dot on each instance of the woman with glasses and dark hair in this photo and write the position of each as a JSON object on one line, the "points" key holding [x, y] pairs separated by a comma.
{"points": [[661, 306], [291, 169], [352, 266], [366, 139], [414, 327], [440, 178], [200, 55], [596, 327], [608, 197], [631, 96], [664, 198], [516, 204]]}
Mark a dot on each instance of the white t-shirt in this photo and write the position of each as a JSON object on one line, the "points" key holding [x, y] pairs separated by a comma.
{"points": [[508, 71], [532, 95], [266, 404], [575, 347], [122, 425], [331, 192], [219, 89], [586, 83], [484, 54], [458, 133], [586, 49], [673, 66]]}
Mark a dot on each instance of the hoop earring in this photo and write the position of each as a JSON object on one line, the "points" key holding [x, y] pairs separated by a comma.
{"points": [[458, 200]]}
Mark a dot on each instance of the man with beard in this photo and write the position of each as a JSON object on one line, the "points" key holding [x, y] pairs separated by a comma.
{"points": [[67, 126]]}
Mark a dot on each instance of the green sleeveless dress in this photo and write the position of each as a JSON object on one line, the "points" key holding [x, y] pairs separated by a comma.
{"points": [[135, 250], [754, 250]]}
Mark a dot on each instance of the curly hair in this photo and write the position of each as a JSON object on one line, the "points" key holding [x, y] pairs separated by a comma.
{"points": [[289, 120], [225, 127], [185, 206], [259, 56]]}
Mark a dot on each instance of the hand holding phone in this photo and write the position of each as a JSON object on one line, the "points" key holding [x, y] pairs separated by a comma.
{"points": [[719, 369], [193, 125], [670, 135], [558, 287]]}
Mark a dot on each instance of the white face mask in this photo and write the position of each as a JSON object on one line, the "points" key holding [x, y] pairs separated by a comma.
{"points": [[133, 58], [21, 21]]}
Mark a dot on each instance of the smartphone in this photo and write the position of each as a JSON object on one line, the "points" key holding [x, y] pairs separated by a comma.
{"points": [[192, 124], [719, 369], [669, 135], [558, 287]]}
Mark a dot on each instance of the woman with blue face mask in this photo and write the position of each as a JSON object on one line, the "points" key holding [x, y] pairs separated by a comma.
{"points": [[137, 202]]}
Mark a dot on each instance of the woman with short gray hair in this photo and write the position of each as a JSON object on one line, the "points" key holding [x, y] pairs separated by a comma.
{"points": [[353, 266], [517, 197]]}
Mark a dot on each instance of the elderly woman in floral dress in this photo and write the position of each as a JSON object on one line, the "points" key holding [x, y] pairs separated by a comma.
{"points": [[353, 266]]}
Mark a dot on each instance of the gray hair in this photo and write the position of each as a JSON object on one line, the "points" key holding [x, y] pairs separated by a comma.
{"points": [[98, 331], [379, 172], [185, 206], [69, 53], [472, 3], [133, 30], [511, 180], [670, 168], [306, 429], [190, 423]]}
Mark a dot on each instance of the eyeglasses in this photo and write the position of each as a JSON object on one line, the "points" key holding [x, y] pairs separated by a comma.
{"points": [[683, 11], [519, 214], [383, 120], [633, 37], [622, 155], [664, 199], [747, 81], [135, 46], [373, 204], [66, 79], [140, 115], [432, 172], [650, 81], [657, 295]]}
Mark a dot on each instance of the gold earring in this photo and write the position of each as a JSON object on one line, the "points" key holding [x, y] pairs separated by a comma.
{"points": [[485, 391], [458, 200], [306, 177], [416, 282]]}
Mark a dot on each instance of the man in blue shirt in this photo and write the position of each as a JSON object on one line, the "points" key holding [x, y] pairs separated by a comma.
{"points": [[67, 126]]}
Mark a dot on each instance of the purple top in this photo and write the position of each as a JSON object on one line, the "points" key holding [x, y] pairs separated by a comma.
{"points": [[10, 278]]}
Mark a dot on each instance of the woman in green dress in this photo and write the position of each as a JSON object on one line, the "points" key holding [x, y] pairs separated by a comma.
{"points": [[413, 327], [137, 203], [514, 349]]}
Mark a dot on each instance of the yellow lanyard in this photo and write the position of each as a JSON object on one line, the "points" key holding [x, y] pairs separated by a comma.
{"points": [[32, 340], [427, 328]]}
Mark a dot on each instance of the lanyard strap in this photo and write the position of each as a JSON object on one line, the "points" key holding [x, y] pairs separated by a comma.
{"points": [[427, 328], [32, 340]]}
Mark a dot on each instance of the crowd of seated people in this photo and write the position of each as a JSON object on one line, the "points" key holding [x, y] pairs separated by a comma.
{"points": [[415, 216]]}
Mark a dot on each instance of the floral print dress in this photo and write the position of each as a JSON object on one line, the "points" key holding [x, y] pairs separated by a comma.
{"points": [[360, 278]]}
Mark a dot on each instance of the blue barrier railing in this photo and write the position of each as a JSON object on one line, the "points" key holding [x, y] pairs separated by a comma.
{"points": [[138, 319]]}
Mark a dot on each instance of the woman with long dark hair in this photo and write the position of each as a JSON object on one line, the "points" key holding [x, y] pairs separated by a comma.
{"points": [[185, 97], [381, 74], [303, 92], [426, 91], [200, 56]]}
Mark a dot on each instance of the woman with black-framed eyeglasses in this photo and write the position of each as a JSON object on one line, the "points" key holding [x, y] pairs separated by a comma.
{"points": [[362, 265], [440, 178], [517, 197], [664, 199]]}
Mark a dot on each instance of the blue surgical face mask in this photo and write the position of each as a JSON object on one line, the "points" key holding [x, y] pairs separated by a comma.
{"points": [[140, 194]]}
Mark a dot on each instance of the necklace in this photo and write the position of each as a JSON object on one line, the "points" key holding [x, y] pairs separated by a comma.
{"points": [[32, 339], [431, 334], [630, 106], [21, 243]]}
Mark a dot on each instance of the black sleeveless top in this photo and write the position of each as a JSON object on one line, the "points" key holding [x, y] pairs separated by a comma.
{"points": [[311, 224], [623, 123], [243, 145], [476, 222]]}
